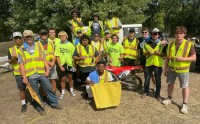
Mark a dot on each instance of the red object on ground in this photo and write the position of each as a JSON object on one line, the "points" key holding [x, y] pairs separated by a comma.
{"points": [[119, 70]]}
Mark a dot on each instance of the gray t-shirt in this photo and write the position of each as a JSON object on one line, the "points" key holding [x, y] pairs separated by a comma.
{"points": [[96, 29], [30, 50]]}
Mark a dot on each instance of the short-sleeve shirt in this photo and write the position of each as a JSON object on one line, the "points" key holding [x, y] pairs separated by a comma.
{"points": [[114, 51], [110, 78], [65, 51]]}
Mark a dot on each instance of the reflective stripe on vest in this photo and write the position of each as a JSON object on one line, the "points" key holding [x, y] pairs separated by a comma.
{"points": [[16, 67], [89, 60], [183, 51], [113, 24], [154, 59], [49, 53], [105, 77], [33, 63], [98, 47], [130, 48], [75, 25]]}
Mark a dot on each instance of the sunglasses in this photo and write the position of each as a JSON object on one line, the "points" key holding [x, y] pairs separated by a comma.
{"points": [[96, 35], [144, 32], [43, 33], [155, 34], [28, 36]]}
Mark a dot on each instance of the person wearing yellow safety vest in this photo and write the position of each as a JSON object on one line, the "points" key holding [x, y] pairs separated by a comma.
{"points": [[101, 75], [105, 41], [154, 50], [97, 43], [76, 22], [95, 27], [52, 36], [76, 40], [113, 23], [34, 69], [66, 65], [180, 54], [115, 51], [12, 59], [87, 56], [48, 47], [130, 44]]}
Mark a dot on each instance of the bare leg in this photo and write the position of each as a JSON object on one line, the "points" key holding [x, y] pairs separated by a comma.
{"points": [[185, 94]]}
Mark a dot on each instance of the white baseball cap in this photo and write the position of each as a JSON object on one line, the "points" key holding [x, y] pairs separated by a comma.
{"points": [[17, 34]]}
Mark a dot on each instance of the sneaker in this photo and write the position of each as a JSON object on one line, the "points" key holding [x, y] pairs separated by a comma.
{"points": [[143, 95], [62, 96], [89, 100], [24, 108], [167, 101], [73, 93], [184, 109], [59, 107], [42, 112]]}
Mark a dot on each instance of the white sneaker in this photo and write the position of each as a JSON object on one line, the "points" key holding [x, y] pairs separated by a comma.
{"points": [[89, 100], [184, 109], [73, 93], [62, 96], [167, 101]]}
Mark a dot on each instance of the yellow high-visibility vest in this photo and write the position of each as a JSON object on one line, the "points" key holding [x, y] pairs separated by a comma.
{"points": [[49, 52], [98, 47], [33, 63], [56, 41], [183, 51], [14, 52], [110, 25], [105, 43], [90, 56], [154, 59], [75, 25], [130, 48]]}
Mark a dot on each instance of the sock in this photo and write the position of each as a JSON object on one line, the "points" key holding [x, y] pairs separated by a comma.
{"points": [[71, 89], [23, 102], [62, 91], [184, 103], [169, 97]]}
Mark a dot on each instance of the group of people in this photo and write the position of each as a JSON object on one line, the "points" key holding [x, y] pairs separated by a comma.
{"points": [[88, 53]]}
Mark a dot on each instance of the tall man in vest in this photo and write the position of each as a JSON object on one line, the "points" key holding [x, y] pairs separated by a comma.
{"points": [[154, 52], [95, 26], [180, 54], [113, 23], [76, 22], [49, 49], [12, 59], [98, 76], [130, 44], [34, 69]]}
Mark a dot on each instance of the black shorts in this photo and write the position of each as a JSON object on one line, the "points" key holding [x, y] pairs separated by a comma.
{"points": [[19, 81], [129, 62], [66, 72]]}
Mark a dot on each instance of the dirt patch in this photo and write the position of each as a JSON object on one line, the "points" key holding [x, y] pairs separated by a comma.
{"points": [[132, 110]]}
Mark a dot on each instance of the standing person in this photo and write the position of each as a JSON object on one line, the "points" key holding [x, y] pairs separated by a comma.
{"points": [[180, 54], [95, 27], [105, 42], [98, 76], [87, 56], [76, 22], [76, 41], [34, 69], [113, 23], [142, 59], [115, 51], [49, 50], [154, 52], [130, 45], [12, 59], [63, 53], [97, 43], [52, 36]]}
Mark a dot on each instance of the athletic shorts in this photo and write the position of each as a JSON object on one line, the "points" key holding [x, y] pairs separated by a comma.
{"points": [[66, 72], [19, 81], [183, 78], [53, 73]]}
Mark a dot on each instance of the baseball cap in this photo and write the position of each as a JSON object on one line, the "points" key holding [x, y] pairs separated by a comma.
{"points": [[155, 30], [107, 32], [131, 30], [17, 34], [43, 31], [79, 31], [27, 33]]}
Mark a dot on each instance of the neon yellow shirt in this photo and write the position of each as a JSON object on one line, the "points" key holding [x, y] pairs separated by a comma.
{"points": [[65, 51]]}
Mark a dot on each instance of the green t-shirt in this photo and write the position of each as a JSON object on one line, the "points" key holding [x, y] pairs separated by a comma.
{"points": [[65, 52], [56, 41], [114, 51]]}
